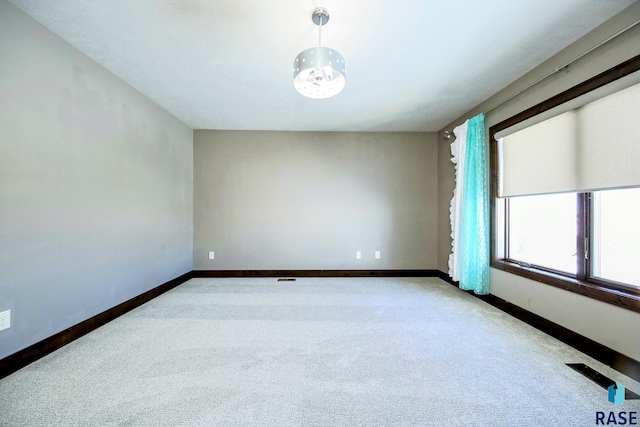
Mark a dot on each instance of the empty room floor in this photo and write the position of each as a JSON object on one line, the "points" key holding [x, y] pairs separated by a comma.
{"points": [[311, 352]]}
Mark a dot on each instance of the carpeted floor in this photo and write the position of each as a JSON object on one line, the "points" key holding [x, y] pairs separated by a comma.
{"points": [[315, 352]]}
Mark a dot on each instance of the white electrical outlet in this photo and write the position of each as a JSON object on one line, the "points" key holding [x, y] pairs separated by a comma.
{"points": [[358, 254], [5, 320], [212, 255], [377, 254]]}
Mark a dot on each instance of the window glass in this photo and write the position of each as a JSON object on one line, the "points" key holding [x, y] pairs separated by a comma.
{"points": [[616, 235], [542, 231]]}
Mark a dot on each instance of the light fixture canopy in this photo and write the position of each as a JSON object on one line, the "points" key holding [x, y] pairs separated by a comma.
{"points": [[319, 72]]}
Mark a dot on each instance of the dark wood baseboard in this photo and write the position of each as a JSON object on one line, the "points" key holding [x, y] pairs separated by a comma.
{"points": [[618, 361], [446, 278], [315, 273], [22, 358]]}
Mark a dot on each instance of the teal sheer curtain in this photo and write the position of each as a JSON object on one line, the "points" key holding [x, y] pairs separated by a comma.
{"points": [[473, 204]]}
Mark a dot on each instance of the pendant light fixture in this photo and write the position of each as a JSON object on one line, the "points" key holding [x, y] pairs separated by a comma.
{"points": [[318, 72]]}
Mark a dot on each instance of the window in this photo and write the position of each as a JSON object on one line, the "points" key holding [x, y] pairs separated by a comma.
{"points": [[542, 231], [565, 189], [616, 236]]}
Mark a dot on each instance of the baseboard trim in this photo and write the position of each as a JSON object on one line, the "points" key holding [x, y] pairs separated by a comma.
{"points": [[618, 361], [446, 278], [315, 273], [22, 358]]}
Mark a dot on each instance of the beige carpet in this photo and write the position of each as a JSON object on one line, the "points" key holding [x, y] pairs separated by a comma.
{"points": [[315, 352]]}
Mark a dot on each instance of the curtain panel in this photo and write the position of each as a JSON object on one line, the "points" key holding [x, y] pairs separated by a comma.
{"points": [[469, 211]]}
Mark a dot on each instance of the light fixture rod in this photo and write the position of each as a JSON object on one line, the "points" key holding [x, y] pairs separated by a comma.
{"points": [[320, 16]]}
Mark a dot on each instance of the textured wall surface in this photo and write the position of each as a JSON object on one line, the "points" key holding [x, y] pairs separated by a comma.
{"points": [[310, 200], [602, 322], [96, 186]]}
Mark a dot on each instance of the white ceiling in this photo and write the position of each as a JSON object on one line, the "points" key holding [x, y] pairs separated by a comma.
{"points": [[412, 65]]}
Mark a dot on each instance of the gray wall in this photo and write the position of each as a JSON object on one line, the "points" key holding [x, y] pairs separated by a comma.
{"points": [[96, 186], [310, 200], [605, 323]]}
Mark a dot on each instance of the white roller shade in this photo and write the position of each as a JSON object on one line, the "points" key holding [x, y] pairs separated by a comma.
{"points": [[610, 141], [541, 158], [592, 147]]}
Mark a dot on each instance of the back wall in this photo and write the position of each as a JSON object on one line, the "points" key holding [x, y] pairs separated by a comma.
{"points": [[268, 200]]}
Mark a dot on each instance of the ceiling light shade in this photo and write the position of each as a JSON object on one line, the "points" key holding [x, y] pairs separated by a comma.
{"points": [[319, 72]]}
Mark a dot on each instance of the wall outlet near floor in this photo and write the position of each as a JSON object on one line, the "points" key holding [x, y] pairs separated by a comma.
{"points": [[358, 254], [5, 320], [377, 255], [212, 255]]}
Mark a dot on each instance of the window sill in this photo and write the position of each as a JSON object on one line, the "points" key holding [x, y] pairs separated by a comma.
{"points": [[621, 298]]}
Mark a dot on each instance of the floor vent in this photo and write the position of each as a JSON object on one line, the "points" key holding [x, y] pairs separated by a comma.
{"points": [[286, 280], [598, 378]]}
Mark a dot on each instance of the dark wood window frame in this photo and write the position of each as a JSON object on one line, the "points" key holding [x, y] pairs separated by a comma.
{"points": [[583, 284]]}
